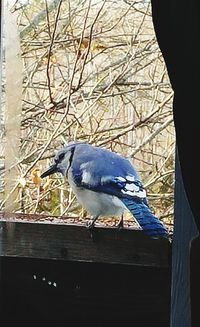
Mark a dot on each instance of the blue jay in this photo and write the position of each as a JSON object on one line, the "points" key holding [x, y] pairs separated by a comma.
{"points": [[105, 184]]}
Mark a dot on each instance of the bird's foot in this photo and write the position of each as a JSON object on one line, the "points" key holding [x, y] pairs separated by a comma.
{"points": [[120, 225], [90, 227], [90, 224]]}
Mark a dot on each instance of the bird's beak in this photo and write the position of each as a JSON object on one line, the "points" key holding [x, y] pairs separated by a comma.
{"points": [[51, 170]]}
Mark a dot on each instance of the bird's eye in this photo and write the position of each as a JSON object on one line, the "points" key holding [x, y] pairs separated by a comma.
{"points": [[61, 156]]}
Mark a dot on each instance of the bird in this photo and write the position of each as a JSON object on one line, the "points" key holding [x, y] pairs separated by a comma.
{"points": [[106, 183]]}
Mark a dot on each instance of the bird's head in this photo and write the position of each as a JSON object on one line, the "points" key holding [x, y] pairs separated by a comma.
{"points": [[62, 162]]}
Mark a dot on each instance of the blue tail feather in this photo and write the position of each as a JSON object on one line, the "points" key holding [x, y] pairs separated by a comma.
{"points": [[151, 225]]}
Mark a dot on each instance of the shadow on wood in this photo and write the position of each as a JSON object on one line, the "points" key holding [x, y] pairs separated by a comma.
{"points": [[60, 293]]}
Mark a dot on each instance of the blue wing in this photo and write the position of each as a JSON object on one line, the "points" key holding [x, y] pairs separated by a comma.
{"points": [[118, 186]]}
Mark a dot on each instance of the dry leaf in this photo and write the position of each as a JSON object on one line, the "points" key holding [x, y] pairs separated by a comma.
{"points": [[47, 184], [35, 176], [84, 43], [53, 59], [98, 46], [83, 46]]}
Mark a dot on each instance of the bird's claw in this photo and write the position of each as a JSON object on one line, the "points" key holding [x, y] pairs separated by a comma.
{"points": [[120, 225], [90, 225]]}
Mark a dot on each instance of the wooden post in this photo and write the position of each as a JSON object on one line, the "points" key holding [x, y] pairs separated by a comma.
{"points": [[1, 114], [13, 97], [185, 231], [1, 50]]}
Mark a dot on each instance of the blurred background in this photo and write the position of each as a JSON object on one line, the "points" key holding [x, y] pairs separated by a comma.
{"points": [[87, 70]]}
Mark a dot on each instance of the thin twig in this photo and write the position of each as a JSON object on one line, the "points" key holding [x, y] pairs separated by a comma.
{"points": [[51, 47]]}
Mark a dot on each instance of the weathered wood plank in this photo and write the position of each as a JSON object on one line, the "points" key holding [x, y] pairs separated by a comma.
{"points": [[74, 243]]}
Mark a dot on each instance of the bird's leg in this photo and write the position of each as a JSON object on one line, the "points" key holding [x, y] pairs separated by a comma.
{"points": [[91, 222], [90, 225], [120, 224]]}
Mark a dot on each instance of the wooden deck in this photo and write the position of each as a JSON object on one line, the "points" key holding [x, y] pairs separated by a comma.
{"points": [[53, 273], [24, 236]]}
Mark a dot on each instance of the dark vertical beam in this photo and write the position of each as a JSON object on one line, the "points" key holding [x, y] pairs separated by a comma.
{"points": [[185, 231], [195, 281], [176, 24]]}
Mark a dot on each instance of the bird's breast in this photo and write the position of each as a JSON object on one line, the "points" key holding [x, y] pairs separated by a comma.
{"points": [[99, 204]]}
